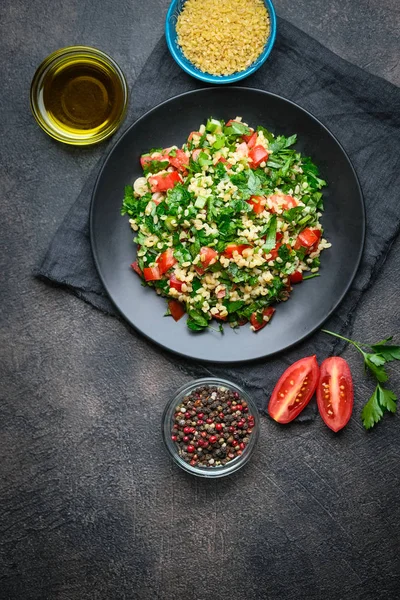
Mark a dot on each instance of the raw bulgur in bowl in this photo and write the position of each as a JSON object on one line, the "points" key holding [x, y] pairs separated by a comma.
{"points": [[227, 223], [220, 41]]}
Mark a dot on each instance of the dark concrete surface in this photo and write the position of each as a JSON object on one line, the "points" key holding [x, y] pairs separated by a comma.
{"points": [[90, 505]]}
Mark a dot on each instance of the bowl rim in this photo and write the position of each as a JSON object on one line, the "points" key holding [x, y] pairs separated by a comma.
{"points": [[221, 79], [209, 472], [41, 72]]}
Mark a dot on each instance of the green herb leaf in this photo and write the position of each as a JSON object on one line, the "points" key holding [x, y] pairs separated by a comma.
{"points": [[236, 128], [387, 351], [154, 166], [270, 241], [219, 142], [234, 306], [388, 399], [204, 159], [381, 400], [196, 317], [194, 326], [372, 412], [371, 361]]}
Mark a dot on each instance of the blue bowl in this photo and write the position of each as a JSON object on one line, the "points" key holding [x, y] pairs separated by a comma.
{"points": [[176, 51]]}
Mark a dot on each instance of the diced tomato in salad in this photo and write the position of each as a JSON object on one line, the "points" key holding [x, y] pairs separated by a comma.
{"points": [[219, 317], [175, 283], [136, 268], [166, 260], [250, 139], [152, 273], [164, 181], [296, 277], [242, 150], [231, 248], [258, 203], [176, 309], [180, 161], [258, 154], [208, 257], [195, 154], [260, 320], [145, 159], [309, 239], [281, 201], [193, 133]]}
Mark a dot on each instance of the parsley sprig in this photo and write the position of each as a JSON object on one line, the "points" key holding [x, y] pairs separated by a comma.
{"points": [[375, 357]]}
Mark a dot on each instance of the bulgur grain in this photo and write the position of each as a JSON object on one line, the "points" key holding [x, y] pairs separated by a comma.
{"points": [[222, 37]]}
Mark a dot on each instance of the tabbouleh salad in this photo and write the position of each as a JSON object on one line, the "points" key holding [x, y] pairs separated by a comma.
{"points": [[226, 223]]}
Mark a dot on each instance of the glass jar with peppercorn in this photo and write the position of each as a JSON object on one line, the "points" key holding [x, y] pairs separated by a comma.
{"points": [[210, 427]]}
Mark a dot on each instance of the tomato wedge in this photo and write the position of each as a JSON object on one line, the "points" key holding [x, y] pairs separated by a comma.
{"points": [[265, 318], [151, 273], [176, 309], [258, 154], [175, 283], [164, 181], [231, 248], [294, 390], [335, 394], [136, 268], [308, 238], [166, 260], [180, 161], [257, 203], [282, 201]]}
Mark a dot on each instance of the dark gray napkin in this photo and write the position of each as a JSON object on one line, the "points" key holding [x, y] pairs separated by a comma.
{"points": [[360, 109]]}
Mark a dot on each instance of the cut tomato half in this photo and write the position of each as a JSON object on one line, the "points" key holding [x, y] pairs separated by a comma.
{"points": [[294, 390], [335, 394]]}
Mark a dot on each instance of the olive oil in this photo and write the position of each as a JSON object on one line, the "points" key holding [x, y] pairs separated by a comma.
{"points": [[79, 95]]}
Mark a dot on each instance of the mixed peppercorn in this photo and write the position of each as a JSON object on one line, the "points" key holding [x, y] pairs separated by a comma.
{"points": [[212, 426]]}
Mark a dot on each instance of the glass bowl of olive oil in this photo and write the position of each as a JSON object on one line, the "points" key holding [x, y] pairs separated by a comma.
{"points": [[79, 95]]}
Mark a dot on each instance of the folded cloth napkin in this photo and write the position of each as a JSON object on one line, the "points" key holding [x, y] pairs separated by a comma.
{"points": [[361, 110]]}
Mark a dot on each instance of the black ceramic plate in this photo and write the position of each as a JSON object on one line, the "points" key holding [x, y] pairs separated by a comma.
{"points": [[310, 303]]}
